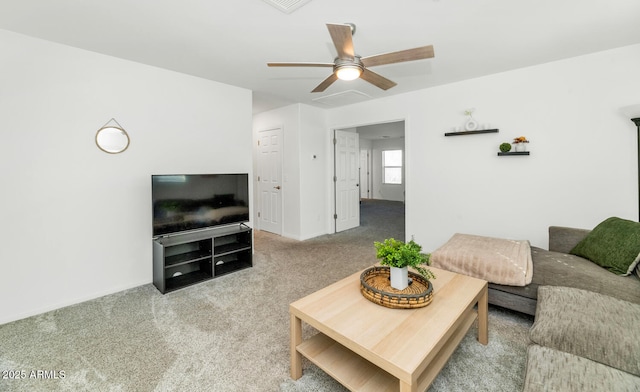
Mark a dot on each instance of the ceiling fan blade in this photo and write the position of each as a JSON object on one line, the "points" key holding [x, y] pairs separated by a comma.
{"points": [[423, 52], [325, 83], [377, 79], [300, 64], [342, 39]]}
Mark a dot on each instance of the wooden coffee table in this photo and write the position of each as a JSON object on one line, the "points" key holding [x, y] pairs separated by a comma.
{"points": [[368, 347]]}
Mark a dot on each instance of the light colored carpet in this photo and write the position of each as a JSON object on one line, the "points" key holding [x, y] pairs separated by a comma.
{"points": [[231, 333]]}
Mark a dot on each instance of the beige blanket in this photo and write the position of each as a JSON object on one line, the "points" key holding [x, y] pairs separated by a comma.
{"points": [[496, 260]]}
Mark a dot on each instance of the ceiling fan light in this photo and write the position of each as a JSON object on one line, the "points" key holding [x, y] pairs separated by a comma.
{"points": [[348, 72]]}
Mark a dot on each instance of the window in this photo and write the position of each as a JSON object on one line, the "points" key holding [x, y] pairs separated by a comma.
{"points": [[392, 167]]}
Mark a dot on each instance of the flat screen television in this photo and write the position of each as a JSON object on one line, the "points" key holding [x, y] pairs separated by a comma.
{"points": [[188, 202]]}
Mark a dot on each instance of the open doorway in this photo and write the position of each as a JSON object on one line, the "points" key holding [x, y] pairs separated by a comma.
{"points": [[381, 165], [383, 177]]}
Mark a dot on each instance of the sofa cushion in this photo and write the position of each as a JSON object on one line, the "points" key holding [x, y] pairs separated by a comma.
{"points": [[587, 324], [562, 269], [552, 370], [614, 244]]}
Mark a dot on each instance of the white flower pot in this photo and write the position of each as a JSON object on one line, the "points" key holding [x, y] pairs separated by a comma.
{"points": [[521, 147], [399, 278]]}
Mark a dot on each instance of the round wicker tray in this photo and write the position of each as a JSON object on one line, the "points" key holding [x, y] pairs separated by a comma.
{"points": [[376, 287]]}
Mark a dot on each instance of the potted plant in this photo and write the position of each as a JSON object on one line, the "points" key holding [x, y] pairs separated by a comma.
{"points": [[399, 256], [520, 143], [505, 147]]}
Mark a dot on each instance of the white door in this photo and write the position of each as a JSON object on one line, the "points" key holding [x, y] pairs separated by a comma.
{"points": [[364, 174], [346, 177], [270, 180]]}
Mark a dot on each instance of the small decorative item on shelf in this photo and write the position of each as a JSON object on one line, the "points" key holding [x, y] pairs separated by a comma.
{"points": [[398, 256], [471, 124], [520, 143], [505, 147]]}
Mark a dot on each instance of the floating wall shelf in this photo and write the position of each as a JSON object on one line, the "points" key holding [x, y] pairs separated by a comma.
{"points": [[502, 154], [471, 132]]}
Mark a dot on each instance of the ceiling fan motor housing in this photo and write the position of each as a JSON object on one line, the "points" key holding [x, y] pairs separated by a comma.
{"points": [[348, 69]]}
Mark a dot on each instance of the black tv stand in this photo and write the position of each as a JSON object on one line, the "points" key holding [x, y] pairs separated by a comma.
{"points": [[185, 259]]}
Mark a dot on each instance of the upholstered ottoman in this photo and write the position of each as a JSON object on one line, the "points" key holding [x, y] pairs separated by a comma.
{"points": [[583, 341]]}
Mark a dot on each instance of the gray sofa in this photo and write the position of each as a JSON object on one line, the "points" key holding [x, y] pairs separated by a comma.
{"points": [[556, 267], [587, 320]]}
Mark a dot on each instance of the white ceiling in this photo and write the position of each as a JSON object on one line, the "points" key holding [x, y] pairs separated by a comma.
{"points": [[389, 130], [231, 41]]}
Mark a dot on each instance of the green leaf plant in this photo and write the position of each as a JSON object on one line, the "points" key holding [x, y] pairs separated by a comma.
{"points": [[394, 253]]}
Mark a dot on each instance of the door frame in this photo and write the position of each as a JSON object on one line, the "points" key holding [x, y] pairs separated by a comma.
{"points": [[331, 189]]}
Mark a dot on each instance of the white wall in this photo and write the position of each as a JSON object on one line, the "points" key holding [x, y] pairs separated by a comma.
{"points": [[314, 141], [75, 221], [583, 163], [304, 187]]}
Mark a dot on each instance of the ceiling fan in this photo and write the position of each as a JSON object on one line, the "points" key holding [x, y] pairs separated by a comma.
{"points": [[350, 66]]}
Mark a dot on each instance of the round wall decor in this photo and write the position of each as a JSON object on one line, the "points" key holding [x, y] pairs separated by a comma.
{"points": [[471, 125]]}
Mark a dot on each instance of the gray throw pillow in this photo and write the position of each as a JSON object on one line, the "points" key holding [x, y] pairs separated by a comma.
{"points": [[614, 244]]}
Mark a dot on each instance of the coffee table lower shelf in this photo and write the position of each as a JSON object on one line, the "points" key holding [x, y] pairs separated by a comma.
{"points": [[348, 368], [359, 375]]}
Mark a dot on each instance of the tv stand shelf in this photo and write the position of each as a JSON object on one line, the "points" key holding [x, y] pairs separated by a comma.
{"points": [[185, 259], [230, 248]]}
